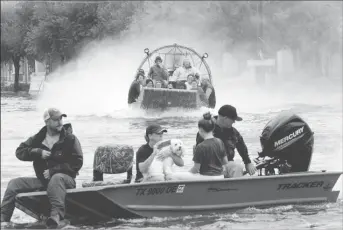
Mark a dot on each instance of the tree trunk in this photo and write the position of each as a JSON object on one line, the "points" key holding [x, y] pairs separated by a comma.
{"points": [[16, 63]]}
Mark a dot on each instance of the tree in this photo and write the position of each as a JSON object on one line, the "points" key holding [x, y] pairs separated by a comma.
{"points": [[60, 28], [64, 28], [15, 24]]}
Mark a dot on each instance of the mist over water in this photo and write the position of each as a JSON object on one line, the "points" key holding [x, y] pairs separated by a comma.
{"points": [[97, 82]]}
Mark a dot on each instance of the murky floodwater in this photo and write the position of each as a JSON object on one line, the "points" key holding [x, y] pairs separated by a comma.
{"points": [[21, 117]]}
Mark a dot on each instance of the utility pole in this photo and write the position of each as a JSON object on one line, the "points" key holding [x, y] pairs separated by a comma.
{"points": [[260, 71]]}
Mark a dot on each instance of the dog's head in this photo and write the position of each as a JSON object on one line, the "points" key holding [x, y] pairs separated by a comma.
{"points": [[177, 147]]}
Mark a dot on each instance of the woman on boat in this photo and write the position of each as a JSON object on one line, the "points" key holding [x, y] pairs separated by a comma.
{"points": [[147, 152], [209, 156]]}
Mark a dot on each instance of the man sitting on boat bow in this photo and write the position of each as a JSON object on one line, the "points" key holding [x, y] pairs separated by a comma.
{"points": [[57, 157]]}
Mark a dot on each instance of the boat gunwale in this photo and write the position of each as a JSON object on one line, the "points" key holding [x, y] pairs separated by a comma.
{"points": [[106, 187]]}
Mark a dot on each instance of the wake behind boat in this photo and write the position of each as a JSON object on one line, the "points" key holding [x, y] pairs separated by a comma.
{"points": [[283, 178]]}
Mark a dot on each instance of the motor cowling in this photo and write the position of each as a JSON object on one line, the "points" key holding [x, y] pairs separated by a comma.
{"points": [[288, 140]]}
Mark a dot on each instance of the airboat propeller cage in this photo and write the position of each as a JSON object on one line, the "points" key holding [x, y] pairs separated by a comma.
{"points": [[288, 137]]}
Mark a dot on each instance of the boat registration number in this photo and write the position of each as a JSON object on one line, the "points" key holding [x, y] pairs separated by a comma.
{"points": [[160, 190]]}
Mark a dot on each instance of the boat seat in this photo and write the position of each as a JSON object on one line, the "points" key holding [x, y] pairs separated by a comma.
{"points": [[110, 159]]}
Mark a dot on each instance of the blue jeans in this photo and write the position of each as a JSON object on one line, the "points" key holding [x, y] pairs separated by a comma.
{"points": [[56, 192]]}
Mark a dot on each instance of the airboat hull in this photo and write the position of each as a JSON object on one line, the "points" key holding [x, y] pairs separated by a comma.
{"points": [[179, 198], [169, 98]]}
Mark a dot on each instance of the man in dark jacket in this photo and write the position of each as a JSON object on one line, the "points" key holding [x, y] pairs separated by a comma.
{"points": [[57, 158], [232, 139], [157, 72]]}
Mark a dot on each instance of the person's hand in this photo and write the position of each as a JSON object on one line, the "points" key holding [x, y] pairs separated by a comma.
{"points": [[251, 169], [163, 155], [226, 172], [168, 177], [156, 150], [45, 154], [46, 174]]}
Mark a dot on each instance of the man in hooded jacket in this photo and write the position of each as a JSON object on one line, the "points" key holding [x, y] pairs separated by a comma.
{"points": [[57, 158]]}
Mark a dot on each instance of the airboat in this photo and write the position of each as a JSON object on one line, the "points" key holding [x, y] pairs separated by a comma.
{"points": [[164, 98]]}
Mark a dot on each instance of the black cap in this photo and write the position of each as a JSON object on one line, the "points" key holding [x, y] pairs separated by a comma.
{"points": [[158, 58], [230, 112], [155, 128], [141, 71]]}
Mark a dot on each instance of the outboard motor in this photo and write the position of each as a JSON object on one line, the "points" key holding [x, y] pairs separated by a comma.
{"points": [[288, 141]]}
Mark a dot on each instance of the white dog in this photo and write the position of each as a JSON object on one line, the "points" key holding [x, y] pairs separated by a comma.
{"points": [[161, 170]]}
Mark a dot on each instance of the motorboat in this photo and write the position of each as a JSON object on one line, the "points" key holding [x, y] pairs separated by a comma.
{"points": [[283, 178]]}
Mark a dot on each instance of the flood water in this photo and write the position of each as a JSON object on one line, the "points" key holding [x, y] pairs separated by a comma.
{"points": [[96, 123]]}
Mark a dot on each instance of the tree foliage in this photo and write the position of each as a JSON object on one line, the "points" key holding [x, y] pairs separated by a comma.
{"points": [[15, 24], [65, 27]]}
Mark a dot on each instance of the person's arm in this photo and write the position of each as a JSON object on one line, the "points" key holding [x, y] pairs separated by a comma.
{"points": [[226, 167], [73, 165], [144, 166], [176, 74], [150, 72], [25, 151], [208, 92], [197, 158], [134, 92], [195, 169], [199, 139], [242, 148], [165, 74], [177, 160]]}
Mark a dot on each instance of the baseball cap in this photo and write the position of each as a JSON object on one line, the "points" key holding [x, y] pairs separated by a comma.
{"points": [[155, 128], [53, 113], [230, 112]]}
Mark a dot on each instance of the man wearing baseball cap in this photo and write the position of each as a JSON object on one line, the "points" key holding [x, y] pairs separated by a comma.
{"points": [[57, 157], [147, 152], [232, 139], [158, 73]]}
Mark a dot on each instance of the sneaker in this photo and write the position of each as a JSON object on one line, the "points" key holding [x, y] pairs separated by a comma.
{"points": [[63, 223], [52, 222]]}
